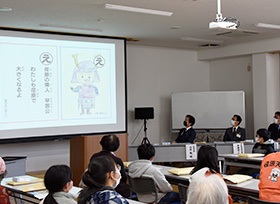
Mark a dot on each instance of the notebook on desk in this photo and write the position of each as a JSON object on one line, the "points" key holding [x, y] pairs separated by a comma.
{"points": [[14, 183], [33, 187], [237, 178], [251, 155], [181, 171]]}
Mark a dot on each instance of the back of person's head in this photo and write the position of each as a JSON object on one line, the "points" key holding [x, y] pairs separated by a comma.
{"points": [[264, 133], [2, 169], [207, 157], [55, 179], [277, 113], [96, 176], [146, 151], [238, 118], [110, 143], [191, 119], [209, 189]]}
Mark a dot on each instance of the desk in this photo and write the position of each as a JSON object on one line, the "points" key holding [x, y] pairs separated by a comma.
{"points": [[234, 160], [37, 196], [247, 188], [177, 152]]}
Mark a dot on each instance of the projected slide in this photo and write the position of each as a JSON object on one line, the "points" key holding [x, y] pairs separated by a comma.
{"points": [[52, 83]]}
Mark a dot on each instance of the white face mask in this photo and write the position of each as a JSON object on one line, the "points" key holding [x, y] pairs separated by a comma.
{"points": [[117, 180], [257, 139], [275, 120], [232, 122]]}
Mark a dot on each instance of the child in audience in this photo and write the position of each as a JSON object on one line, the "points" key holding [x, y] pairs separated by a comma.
{"points": [[144, 167], [209, 189], [101, 178], [4, 196], [110, 144], [58, 181], [264, 144], [207, 164]]}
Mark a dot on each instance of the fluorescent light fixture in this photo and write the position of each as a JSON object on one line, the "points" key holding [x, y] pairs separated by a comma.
{"points": [[5, 9], [202, 40], [137, 10], [265, 25], [70, 27]]}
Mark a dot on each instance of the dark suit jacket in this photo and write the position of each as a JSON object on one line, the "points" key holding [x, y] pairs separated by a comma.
{"points": [[122, 188], [186, 136], [273, 129], [229, 136]]}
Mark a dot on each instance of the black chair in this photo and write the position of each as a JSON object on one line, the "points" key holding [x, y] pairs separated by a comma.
{"points": [[143, 185], [252, 200], [183, 192]]}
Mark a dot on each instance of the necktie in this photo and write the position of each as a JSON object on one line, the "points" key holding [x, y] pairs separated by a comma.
{"points": [[234, 131]]}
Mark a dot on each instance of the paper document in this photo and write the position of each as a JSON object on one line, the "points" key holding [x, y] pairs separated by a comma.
{"points": [[237, 178], [14, 183], [251, 155], [181, 171]]}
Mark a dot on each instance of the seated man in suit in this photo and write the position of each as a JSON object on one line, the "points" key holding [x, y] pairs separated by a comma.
{"points": [[235, 133], [187, 134], [274, 128]]}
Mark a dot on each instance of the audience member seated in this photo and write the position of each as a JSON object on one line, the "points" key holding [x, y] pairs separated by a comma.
{"points": [[264, 144], [187, 135], [110, 144], [207, 164], [270, 178], [101, 179], [58, 181], [208, 189], [4, 196], [144, 167], [274, 128], [235, 133]]}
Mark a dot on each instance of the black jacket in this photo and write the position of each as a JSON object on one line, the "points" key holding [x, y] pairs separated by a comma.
{"points": [[239, 136], [186, 136], [265, 148], [273, 129]]}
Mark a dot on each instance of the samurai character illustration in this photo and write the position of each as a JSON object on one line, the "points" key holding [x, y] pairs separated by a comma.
{"points": [[85, 74]]}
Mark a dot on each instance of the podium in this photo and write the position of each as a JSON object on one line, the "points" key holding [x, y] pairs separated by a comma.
{"points": [[82, 148]]}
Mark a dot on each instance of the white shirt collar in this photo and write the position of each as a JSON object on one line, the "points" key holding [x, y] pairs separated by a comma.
{"points": [[188, 128]]}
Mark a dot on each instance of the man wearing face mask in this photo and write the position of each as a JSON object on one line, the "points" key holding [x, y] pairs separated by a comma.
{"points": [[187, 135], [235, 133], [274, 128], [144, 167]]}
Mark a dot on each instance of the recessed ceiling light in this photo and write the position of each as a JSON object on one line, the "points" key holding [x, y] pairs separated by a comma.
{"points": [[70, 27], [175, 27], [265, 25], [5, 9], [202, 40], [137, 10]]}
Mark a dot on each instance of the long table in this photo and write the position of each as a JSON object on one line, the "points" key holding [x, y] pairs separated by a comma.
{"points": [[234, 160], [177, 152], [247, 188], [35, 197]]}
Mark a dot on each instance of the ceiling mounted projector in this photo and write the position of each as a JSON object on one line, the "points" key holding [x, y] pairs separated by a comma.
{"points": [[223, 23]]}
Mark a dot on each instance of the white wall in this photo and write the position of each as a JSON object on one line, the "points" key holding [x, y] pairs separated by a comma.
{"points": [[153, 73], [232, 75], [40, 155]]}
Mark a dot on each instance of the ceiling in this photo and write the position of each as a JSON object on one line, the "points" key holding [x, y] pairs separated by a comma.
{"points": [[190, 16]]}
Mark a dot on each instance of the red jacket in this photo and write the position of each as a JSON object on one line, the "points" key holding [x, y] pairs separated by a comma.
{"points": [[270, 178]]}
